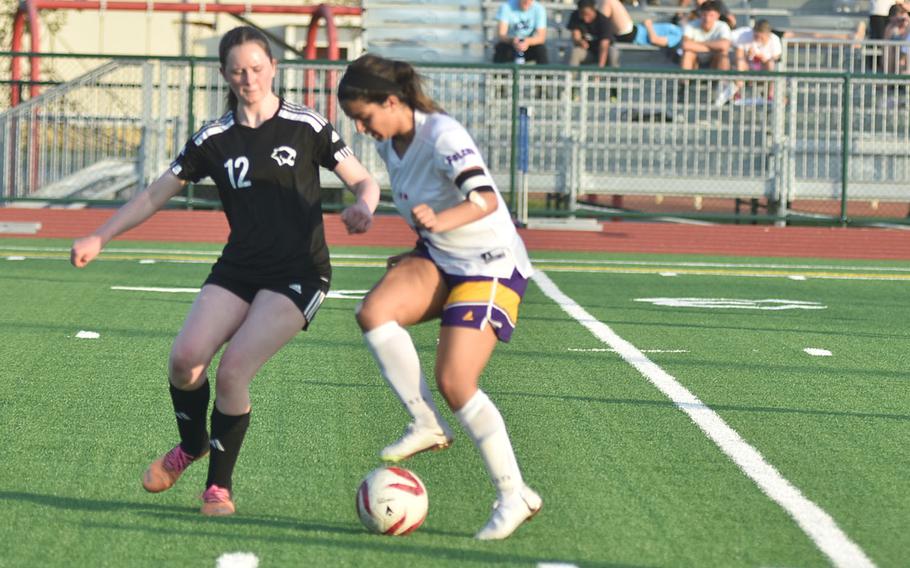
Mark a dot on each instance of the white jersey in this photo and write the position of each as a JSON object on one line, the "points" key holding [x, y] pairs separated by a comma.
{"points": [[440, 151], [744, 38]]}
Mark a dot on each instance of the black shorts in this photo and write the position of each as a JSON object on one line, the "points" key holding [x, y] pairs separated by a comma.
{"points": [[628, 37], [306, 296]]}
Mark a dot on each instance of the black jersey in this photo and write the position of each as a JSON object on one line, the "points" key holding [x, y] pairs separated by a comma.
{"points": [[268, 181]]}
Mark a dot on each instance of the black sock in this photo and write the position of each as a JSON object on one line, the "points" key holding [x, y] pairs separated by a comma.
{"points": [[190, 408], [227, 437]]}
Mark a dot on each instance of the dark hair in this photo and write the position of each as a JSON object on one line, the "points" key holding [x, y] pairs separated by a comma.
{"points": [[235, 37], [710, 5], [762, 26], [586, 4], [373, 79]]}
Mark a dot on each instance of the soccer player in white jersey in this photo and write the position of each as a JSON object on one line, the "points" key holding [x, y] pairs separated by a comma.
{"points": [[469, 268], [264, 156]]}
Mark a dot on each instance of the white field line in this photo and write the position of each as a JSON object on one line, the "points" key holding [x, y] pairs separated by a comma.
{"points": [[814, 521], [653, 263], [237, 560], [156, 289], [575, 269], [602, 350], [872, 273]]}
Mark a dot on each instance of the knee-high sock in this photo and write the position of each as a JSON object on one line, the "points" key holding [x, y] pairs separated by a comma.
{"points": [[394, 351], [483, 422], [227, 437], [191, 408]]}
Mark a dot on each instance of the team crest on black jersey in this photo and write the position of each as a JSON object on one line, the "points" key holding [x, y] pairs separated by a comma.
{"points": [[284, 155]]}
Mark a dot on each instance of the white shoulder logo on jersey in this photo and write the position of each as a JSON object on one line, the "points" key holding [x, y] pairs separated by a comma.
{"points": [[459, 155], [284, 155]]}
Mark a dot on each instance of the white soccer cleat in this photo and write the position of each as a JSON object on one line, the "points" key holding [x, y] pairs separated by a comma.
{"points": [[417, 439], [509, 513]]}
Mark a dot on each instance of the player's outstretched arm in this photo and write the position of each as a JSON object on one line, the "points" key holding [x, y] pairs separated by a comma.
{"points": [[359, 216], [142, 206]]}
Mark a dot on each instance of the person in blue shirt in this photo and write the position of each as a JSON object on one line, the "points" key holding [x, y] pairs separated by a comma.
{"points": [[521, 32], [660, 34]]}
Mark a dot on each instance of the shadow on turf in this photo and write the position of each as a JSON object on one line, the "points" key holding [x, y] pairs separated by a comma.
{"points": [[354, 537], [71, 503], [361, 541]]}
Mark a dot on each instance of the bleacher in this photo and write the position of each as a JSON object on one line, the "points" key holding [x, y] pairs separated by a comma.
{"points": [[630, 132], [465, 30]]}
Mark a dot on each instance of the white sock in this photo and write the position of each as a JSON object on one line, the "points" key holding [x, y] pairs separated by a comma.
{"points": [[394, 351], [485, 425]]}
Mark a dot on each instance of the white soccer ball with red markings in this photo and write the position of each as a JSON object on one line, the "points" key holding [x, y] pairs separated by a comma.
{"points": [[392, 501]]}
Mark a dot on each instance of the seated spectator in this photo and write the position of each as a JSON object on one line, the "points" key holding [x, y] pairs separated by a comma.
{"points": [[706, 41], [757, 49], [879, 16], [898, 29], [682, 18], [521, 32], [590, 35]]}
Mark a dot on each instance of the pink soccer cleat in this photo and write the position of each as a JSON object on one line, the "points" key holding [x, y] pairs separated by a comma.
{"points": [[164, 472], [216, 502]]}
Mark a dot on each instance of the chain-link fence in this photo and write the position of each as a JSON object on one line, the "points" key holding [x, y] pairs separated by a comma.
{"points": [[773, 146]]}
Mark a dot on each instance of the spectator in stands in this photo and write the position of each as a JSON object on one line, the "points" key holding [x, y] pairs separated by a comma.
{"points": [[692, 13], [620, 22], [706, 41], [590, 35], [521, 32], [661, 34], [898, 29], [879, 15], [757, 49]]}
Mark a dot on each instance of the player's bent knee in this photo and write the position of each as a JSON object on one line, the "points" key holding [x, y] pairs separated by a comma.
{"points": [[185, 366], [372, 314]]}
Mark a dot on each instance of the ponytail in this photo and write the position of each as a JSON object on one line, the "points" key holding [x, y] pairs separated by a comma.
{"points": [[374, 79]]}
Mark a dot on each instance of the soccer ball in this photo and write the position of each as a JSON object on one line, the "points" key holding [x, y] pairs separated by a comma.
{"points": [[392, 501]]}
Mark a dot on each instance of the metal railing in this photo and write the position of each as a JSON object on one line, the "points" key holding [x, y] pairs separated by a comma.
{"points": [[820, 138], [845, 55]]}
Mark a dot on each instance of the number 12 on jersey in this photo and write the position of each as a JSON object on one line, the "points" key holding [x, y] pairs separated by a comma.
{"points": [[242, 166]]}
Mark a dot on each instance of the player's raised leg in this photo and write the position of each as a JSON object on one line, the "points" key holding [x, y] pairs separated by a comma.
{"points": [[410, 292], [215, 315]]}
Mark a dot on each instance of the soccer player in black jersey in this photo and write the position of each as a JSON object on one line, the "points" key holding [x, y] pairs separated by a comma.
{"points": [[264, 156]]}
